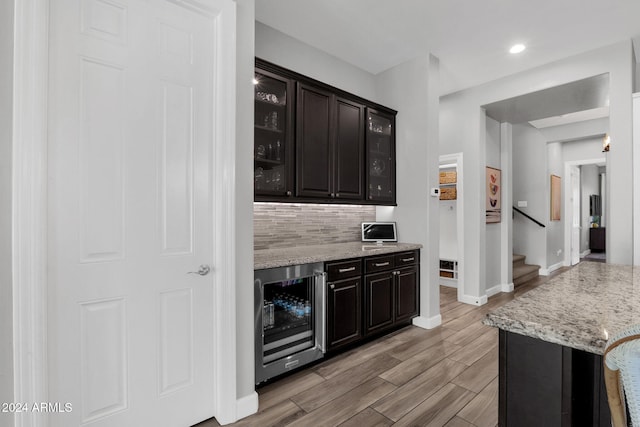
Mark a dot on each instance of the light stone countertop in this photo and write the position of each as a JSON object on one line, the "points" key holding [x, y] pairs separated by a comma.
{"points": [[280, 257], [580, 308]]}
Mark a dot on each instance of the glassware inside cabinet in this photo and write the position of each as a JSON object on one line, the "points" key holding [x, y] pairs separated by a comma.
{"points": [[271, 136], [380, 161]]}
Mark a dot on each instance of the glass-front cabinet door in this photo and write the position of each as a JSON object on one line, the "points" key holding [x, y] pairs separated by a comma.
{"points": [[381, 186], [273, 174]]}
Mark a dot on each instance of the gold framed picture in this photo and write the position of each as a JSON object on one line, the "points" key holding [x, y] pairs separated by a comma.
{"points": [[556, 197]]}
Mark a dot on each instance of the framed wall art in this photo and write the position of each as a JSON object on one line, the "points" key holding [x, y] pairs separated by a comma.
{"points": [[494, 199]]}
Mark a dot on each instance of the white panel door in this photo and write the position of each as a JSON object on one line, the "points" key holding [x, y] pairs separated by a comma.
{"points": [[131, 208]]}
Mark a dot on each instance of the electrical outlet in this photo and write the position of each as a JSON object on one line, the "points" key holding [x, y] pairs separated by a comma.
{"points": [[559, 252], [522, 203]]}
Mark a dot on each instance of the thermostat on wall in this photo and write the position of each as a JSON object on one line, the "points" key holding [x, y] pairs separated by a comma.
{"points": [[435, 192]]}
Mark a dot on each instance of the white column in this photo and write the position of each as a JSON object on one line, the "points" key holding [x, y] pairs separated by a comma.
{"points": [[506, 226]]}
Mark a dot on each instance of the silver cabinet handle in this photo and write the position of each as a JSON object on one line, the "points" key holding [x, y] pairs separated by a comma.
{"points": [[344, 270], [381, 264], [332, 286], [202, 271], [407, 259]]}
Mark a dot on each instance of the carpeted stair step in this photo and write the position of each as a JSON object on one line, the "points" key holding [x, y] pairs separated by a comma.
{"points": [[525, 272], [518, 260]]}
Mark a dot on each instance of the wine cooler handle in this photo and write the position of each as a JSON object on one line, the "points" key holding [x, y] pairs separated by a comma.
{"points": [[320, 308]]}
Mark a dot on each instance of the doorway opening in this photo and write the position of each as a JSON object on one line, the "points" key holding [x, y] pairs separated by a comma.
{"points": [[451, 261], [585, 227]]}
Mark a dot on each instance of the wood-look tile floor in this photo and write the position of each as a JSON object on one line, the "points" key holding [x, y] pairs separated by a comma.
{"points": [[446, 376]]}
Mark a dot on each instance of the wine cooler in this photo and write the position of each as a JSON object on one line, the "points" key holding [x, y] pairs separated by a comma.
{"points": [[289, 318]]}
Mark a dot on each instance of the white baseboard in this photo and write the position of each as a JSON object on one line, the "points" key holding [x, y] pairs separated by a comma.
{"points": [[505, 287], [585, 253], [427, 322], [245, 406], [449, 283], [551, 269], [469, 299]]}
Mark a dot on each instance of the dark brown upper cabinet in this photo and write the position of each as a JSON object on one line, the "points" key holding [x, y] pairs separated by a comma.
{"points": [[334, 147], [381, 174], [349, 150], [314, 142], [329, 145], [273, 135]]}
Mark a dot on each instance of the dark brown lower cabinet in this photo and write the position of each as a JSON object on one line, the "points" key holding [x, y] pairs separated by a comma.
{"points": [[344, 302], [406, 294], [390, 291], [361, 303], [379, 301], [546, 384], [344, 312], [597, 239]]}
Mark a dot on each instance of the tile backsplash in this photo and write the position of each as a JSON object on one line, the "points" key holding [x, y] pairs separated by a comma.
{"points": [[279, 225]]}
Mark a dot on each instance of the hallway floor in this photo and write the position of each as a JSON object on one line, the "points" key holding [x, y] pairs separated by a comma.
{"points": [[446, 376]]}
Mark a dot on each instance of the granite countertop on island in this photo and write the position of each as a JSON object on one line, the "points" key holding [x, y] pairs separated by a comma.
{"points": [[580, 308], [280, 257]]}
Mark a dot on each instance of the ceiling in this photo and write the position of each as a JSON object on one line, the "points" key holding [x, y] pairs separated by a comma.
{"points": [[471, 38], [555, 104]]}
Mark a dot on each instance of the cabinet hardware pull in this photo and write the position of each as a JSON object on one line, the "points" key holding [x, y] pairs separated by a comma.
{"points": [[332, 286], [381, 264], [288, 193], [344, 270], [407, 259]]}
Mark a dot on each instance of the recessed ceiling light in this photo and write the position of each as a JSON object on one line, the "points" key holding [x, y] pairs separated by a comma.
{"points": [[517, 48]]}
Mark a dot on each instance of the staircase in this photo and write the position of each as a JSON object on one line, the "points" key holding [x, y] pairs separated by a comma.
{"points": [[523, 272]]}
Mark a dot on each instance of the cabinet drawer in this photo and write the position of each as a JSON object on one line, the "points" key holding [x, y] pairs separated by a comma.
{"points": [[380, 263], [406, 258], [343, 270]]}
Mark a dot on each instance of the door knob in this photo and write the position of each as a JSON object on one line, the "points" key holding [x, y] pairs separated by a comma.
{"points": [[202, 271]]}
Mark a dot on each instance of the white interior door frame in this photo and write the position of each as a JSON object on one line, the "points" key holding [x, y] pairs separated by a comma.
{"points": [[568, 205], [29, 212], [575, 214], [457, 158], [29, 206]]}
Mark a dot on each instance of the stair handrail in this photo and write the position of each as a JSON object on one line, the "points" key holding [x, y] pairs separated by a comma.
{"points": [[529, 217]]}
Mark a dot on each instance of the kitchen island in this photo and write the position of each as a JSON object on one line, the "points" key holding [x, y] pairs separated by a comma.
{"points": [[551, 343]]}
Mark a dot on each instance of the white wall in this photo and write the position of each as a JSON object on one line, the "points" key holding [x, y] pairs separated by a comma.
{"points": [[411, 89], [533, 153], [530, 185], [245, 66], [462, 122], [493, 231], [577, 131], [555, 229], [285, 51], [590, 184], [6, 308], [585, 149]]}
